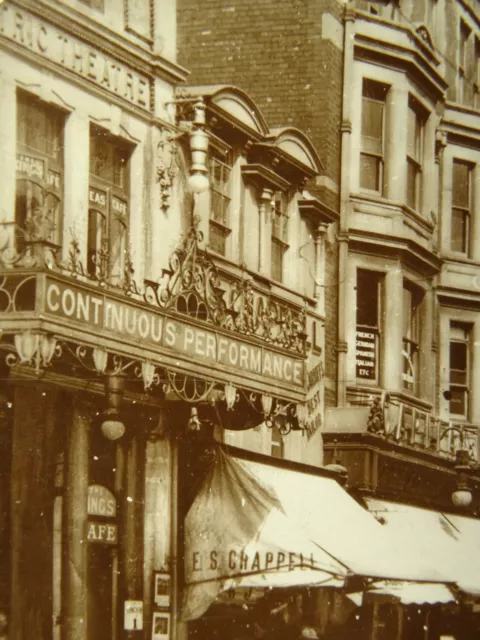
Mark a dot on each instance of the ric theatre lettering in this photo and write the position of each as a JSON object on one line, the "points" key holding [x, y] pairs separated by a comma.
{"points": [[143, 325], [47, 40]]}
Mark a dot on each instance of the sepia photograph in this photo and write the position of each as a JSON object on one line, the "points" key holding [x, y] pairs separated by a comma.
{"points": [[240, 320]]}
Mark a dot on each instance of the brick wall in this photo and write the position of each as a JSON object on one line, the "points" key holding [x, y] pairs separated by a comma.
{"points": [[288, 58], [276, 52]]}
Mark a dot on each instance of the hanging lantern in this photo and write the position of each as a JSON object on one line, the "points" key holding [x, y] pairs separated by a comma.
{"points": [[100, 359], [230, 395], [26, 344]]}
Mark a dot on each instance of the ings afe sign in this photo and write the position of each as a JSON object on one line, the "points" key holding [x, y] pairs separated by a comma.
{"points": [[101, 503]]}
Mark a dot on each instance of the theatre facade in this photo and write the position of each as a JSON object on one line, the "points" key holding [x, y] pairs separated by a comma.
{"points": [[161, 268]]}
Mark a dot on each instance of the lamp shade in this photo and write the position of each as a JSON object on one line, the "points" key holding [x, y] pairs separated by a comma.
{"points": [[462, 498], [113, 429], [198, 182]]}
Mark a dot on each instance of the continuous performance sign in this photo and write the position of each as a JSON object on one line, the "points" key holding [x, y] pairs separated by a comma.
{"points": [[155, 329]]}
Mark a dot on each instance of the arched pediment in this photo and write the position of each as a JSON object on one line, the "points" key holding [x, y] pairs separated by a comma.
{"points": [[235, 104], [298, 146]]}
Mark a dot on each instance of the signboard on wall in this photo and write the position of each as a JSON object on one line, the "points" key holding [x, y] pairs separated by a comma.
{"points": [[133, 615], [314, 399], [153, 328], [101, 502], [366, 355]]}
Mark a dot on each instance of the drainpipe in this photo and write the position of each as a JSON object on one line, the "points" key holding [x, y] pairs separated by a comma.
{"points": [[346, 131]]}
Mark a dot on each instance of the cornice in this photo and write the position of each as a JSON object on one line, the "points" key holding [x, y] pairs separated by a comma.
{"points": [[263, 177], [317, 212], [426, 50], [398, 57], [408, 251], [458, 299]]}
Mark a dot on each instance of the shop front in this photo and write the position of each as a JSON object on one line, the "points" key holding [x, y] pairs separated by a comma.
{"points": [[279, 547]]}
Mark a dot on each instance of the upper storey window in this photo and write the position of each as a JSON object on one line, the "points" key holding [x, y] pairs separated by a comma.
{"points": [[279, 235], [372, 156], [39, 187], [108, 205], [369, 313], [461, 206], [459, 369], [415, 145], [476, 86], [220, 201]]}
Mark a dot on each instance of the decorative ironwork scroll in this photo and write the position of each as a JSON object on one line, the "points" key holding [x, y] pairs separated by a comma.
{"points": [[193, 286]]}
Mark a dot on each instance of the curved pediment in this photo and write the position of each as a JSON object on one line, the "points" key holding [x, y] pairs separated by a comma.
{"points": [[298, 146], [235, 104]]}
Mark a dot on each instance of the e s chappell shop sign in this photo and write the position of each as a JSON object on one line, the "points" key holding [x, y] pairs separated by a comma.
{"points": [[102, 313]]}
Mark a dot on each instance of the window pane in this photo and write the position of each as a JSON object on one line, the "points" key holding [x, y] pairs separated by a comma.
{"points": [[461, 185], [458, 361], [367, 298], [412, 180], [370, 172], [459, 231], [217, 238], [277, 260], [372, 126], [458, 401], [97, 229]]}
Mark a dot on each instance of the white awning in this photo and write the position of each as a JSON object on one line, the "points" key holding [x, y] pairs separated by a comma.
{"points": [[447, 541], [414, 592], [339, 525], [255, 524]]}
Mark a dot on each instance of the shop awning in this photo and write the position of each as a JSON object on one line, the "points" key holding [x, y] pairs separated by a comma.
{"points": [[406, 592], [254, 524], [447, 541]]}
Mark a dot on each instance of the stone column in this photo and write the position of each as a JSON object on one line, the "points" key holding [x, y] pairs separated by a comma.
{"points": [[75, 518]]}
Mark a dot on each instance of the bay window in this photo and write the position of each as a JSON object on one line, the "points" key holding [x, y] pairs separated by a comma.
{"points": [[279, 235], [220, 168], [39, 172], [415, 142], [108, 198], [461, 206], [372, 155], [459, 369]]}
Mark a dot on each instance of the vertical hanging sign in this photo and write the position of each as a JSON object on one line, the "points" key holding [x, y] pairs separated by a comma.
{"points": [[366, 355]]}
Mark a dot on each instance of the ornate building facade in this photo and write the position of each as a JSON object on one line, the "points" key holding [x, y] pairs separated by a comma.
{"points": [[388, 92]]}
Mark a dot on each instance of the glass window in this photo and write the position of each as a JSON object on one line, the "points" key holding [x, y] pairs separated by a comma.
{"points": [[39, 164], [279, 235], [372, 136], [108, 206], [219, 226], [461, 206], [464, 36], [367, 346], [459, 369], [411, 337], [415, 134]]}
